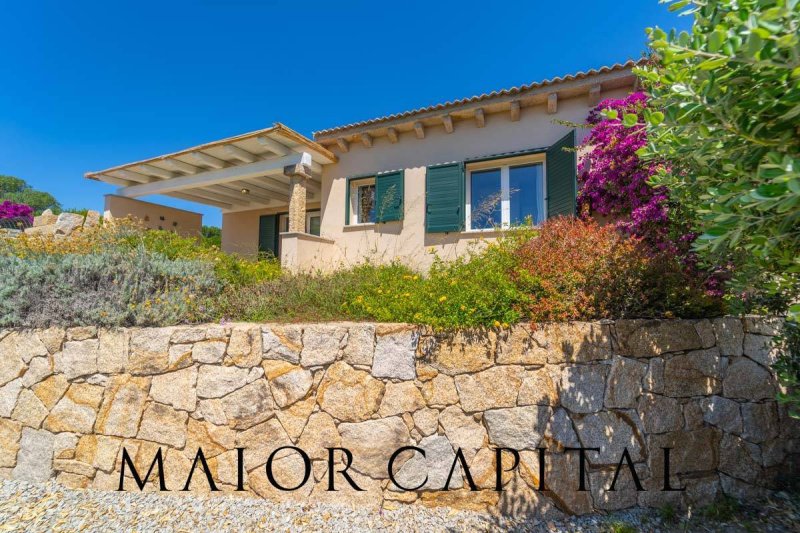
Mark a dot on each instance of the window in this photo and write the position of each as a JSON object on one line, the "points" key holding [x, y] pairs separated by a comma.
{"points": [[362, 201], [505, 195], [313, 220]]}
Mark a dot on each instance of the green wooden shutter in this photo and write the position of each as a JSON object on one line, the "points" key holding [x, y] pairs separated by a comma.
{"points": [[561, 176], [444, 198], [389, 196], [268, 234]]}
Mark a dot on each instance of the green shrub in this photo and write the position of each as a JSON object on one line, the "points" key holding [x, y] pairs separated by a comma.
{"points": [[471, 291], [128, 235], [577, 269], [229, 268], [116, 287], [302, 297]]}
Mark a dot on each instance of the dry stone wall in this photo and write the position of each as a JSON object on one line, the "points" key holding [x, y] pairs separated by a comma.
{"points": [[71, 400]]}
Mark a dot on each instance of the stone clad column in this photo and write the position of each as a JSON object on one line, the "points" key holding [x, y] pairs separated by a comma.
{"points": [[298, 174]]}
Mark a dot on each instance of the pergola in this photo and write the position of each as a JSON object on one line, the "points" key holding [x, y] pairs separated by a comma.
{"points": [[272, 167]]}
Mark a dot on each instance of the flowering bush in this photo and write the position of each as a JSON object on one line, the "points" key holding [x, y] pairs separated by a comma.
{"points": [[18, 214], [474, 290], [614, 181], [578, 269]]}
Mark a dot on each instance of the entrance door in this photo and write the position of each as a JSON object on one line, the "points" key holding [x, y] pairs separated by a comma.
{"points": [[268, 235]]}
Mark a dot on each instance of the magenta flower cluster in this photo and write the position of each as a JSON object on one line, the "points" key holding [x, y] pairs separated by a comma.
{"points": [[614, 185], [17, 212], [614, 181]]}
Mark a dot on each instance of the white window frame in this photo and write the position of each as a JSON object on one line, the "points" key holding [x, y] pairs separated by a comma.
{"points": [[309, 215], [504, 165], [283, 221], [354, 211]]}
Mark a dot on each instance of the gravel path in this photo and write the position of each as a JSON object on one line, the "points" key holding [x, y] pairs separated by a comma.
{"points": [[51, 507]]}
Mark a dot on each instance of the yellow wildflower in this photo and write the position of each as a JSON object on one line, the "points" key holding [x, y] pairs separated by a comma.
{"points": [[497, 323], [442, 298]]}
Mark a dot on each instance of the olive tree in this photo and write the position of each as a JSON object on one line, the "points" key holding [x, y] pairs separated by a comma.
{"points": [[728, 121]]}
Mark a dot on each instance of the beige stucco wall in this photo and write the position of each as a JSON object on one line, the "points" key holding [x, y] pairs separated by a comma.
{"points": [[240, 229], [407, 240], [155, 216]]}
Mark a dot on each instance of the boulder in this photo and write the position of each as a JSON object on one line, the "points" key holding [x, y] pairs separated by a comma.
{"points": [[373, 442], [92, 219], [123, 405], [583, 387], [35, 456], [360, 347], [760, 349], [440, 391], [479, 392], [520, 345], [217, 381], [747, 380], [577, 342], [244, 347], [520, 428], [723, 413], [290, 385], [178, 389], [78, 358], [209, 352], [650, 338], [399, 398], [395, 352], [10, 433], [463, 351], [462, 430], [763, 325], [538, 389], [149, 350], [282, 342], [426, 421], [348, 394], [319, 434], [248, 406], [624, 382], [29, 410], [660, 414], [161, 423], [77, 410], [697, 373], [112, 351], [611, 432], [759, 421], [322, 344], [729, 334], [66, 223], [435, 466]]}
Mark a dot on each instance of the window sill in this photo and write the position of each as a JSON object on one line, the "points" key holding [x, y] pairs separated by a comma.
{"points": [[356, 227], [500, 230]]}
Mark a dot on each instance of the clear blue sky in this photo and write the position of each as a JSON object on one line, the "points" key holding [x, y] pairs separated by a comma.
{"points": [[88, 85]]}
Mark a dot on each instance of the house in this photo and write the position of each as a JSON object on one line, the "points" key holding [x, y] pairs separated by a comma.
{"points": [[437, 178]]}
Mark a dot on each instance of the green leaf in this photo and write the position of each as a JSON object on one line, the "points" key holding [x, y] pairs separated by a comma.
{"points": [[656, 118], [711, 64], [716, 39], [630, 119], [769, 191], [680, 4], [610, 114]]}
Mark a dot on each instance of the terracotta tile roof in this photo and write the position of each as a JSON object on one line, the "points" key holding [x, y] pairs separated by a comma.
{"points": [[485, 96]]}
